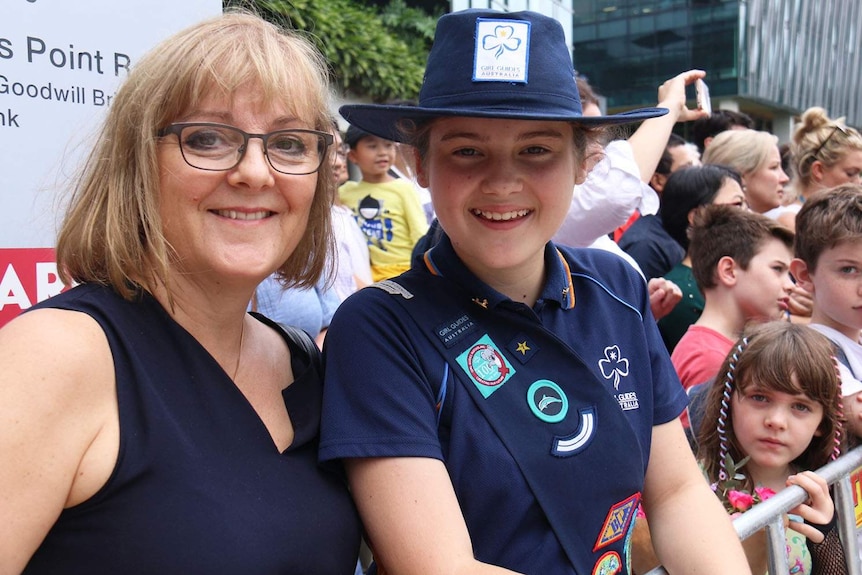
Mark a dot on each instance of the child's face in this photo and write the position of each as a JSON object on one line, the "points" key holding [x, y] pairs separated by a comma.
{"points": [[763, 290], [773, 427], [374, 156], [501, 189], [837, 288]]}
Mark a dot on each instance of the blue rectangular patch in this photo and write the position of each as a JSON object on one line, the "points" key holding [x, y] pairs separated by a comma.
{"points": [[451, 332]]}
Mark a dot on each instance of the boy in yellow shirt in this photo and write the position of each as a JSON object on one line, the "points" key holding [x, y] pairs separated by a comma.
{"points": [[386, 208]]}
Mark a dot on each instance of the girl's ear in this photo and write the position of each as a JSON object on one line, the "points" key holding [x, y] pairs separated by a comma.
{"points": [[594, 153], [421, 173], [726, 271], [581, 174]]}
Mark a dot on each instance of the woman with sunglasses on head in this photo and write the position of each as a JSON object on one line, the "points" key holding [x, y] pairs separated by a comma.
{"points": [[825, 153], [149, 424], [504, 406]]}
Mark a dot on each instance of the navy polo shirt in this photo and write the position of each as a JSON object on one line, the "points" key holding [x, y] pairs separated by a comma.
{"points": [[401, 387]]}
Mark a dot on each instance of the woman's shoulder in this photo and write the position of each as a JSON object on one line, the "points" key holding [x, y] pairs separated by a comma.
{"points": [[46, 338], [57, 381]]}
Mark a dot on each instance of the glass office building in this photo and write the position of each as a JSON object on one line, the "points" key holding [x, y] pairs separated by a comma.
{"points": [[768, 58]]}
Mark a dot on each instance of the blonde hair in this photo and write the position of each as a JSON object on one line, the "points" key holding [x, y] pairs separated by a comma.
{"points": [[112, 232], [817, 137], [746, 151]]}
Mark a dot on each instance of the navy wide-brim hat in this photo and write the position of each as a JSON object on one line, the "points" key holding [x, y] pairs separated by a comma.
{"points": [[491, 64]]}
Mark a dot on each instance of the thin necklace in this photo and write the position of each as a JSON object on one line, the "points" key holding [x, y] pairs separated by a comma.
{"points": [[239, 355]]}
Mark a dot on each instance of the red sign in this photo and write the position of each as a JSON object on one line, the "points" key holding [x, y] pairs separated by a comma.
{"points": [[27, 276]]}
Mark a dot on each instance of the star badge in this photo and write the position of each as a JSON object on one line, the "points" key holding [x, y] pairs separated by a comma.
{"points": [[522, 347]]}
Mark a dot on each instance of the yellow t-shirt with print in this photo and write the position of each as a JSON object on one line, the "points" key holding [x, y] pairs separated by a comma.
{"points": [[392, 220]]}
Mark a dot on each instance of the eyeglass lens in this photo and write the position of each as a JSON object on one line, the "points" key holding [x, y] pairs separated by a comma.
{"points": [[215, 147]]}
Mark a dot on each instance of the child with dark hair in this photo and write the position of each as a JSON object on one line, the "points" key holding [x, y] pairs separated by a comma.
{"points": [[775, 415], [828, 263], [740, 261], [687, 190], [386, 208]]}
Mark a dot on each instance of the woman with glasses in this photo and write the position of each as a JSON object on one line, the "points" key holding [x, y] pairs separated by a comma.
{"points": [[825, 154], [148, 423]]}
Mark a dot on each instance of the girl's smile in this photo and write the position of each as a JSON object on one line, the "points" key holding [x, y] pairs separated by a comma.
{"points": [[501, 189]]}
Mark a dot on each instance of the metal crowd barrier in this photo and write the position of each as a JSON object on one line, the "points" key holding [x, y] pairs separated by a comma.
{"points": [[770, 514]]}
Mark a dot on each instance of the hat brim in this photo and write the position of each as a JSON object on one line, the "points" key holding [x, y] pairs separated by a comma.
{"points": [[383, 120]]}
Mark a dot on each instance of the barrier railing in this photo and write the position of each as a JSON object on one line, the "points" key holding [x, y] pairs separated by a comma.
{"points": [[770, 514]]}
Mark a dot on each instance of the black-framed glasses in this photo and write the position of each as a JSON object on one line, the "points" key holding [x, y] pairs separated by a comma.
{"points": [[835, 128], [218, 147]]}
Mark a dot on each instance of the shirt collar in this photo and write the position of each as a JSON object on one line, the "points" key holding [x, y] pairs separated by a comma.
{"points": [[442, 260]]}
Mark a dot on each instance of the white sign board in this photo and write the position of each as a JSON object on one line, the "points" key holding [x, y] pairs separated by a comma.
{"points": [[61, 61]]}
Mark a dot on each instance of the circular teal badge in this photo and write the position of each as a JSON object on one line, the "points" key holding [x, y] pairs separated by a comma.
{"points": [[547, 401]]}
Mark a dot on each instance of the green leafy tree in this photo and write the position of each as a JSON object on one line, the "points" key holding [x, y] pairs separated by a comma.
{"points": [[375, 55]]}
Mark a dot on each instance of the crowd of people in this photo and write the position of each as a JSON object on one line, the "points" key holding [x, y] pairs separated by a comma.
{"points": [[481, 331]]}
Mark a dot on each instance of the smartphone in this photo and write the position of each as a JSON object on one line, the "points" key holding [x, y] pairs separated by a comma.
{"points": [[703, 101]]}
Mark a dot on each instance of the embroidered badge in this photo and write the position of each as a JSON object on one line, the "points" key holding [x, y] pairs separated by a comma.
{"points": [[393, 288], [450, 332], [614, 366], [522, 347], [580, 439], [628, 401], [547, 401], [502, 51], [487, 367], [608, 564], [617, 522]]}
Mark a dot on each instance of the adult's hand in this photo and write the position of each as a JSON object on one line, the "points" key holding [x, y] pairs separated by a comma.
{"points": [[801, 303], [650, 139], [671, 95]]}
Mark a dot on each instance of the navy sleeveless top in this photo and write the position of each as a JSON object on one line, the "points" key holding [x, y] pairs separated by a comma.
{"points": [[199, 486]]}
